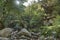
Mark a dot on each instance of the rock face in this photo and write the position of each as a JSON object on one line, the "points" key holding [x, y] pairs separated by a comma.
{"points": [[5, 32]]}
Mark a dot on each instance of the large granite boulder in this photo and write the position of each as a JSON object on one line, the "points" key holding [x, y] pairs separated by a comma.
{"points": [[5, 32]]}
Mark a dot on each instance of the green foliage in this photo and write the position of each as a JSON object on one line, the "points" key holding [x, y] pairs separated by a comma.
{"points": [[30, 16], [34, 14]]}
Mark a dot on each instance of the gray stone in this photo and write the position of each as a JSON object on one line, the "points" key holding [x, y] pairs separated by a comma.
{"points": [[24, 31], [5, 32], [2, 38]]}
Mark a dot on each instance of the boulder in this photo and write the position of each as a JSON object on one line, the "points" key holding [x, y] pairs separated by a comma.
{"points": [[5, 32], [2, 38], [24, 32]]}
